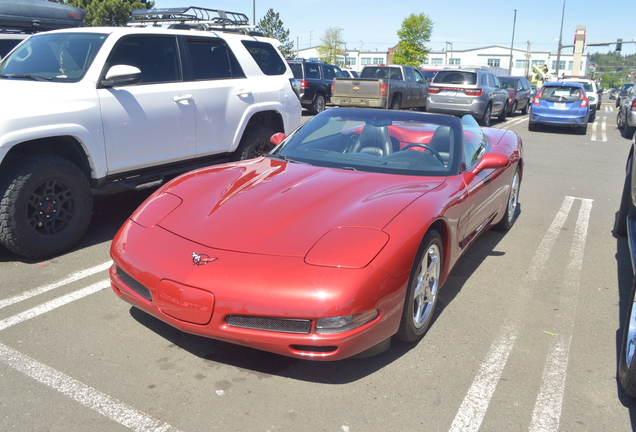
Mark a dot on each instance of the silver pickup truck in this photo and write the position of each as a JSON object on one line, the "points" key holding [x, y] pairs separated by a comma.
{"points": [[384, 86]]}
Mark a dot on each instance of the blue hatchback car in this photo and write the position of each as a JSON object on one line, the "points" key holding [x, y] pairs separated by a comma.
{"points": [[560, 104]]}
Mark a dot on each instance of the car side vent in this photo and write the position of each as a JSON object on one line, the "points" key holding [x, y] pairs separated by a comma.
{"points": [[133, 284], [270, 324]]}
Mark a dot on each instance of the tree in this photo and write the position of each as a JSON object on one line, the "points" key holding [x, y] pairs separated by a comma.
{"points": [[331, 42], [413, 35], [109, 12], [272, 26]]}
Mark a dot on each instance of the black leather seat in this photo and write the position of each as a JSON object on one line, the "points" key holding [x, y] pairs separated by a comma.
{"points": [[373, 140]]}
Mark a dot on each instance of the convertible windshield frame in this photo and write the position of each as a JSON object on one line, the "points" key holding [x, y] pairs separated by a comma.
{"points": [[53, 56], [382, 141]]}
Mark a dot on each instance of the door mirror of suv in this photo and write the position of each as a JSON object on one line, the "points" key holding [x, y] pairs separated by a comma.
{"points": [[121, 75]]}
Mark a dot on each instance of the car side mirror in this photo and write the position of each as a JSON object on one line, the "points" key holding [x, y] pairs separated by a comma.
{"points": [[121, 75], [277, 138]]}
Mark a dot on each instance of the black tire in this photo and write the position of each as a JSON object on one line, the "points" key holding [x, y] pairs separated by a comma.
{"points": [[423, 289], [46, 206], [503, 114], [396, 103], [318, 104], [627, 360], [582, 130], [592, 117], [255, 142], [513, 110], [512, 203], [532, 126], [628, 131], [524, 110], [485, 119], [619, 122], [626, 207]]}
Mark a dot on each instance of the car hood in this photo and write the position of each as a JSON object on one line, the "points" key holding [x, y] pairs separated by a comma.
{"points": [[272, 207]]}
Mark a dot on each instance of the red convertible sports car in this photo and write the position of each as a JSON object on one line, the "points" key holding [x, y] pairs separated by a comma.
{"points": [[335, 242]]}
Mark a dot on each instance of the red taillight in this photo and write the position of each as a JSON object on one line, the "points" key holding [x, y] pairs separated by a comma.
{"points": [[634, 104], [384, 89], [434, 90], [584, 101], [333, 85], [536, 100], [473, 92], [304, 84]]}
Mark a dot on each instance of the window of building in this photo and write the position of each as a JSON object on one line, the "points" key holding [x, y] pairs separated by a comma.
{"points": [[494, 62], [351, 61], [455, 61], [521, 64], [437, 61], [426, 60], [538, 62], [378, 60], [365, 61], [561, 65]]}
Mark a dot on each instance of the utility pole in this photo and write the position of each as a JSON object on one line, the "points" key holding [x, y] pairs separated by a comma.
{"points": [[514, 23], [558, 61]]}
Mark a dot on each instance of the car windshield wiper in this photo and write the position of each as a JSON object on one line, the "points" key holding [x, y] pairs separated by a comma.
{"points": [[28, 76], [283, 158]]}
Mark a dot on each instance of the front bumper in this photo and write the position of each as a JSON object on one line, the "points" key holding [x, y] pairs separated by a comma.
{"points": [[273, 290]]}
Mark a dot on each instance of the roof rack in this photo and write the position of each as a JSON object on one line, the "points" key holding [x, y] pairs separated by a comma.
{"points": [[192, 17]]}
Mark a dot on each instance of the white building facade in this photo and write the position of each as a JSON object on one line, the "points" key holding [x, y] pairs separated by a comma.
{"points": [[495, 57]]}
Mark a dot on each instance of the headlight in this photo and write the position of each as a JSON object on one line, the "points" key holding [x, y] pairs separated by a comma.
{"points": [[345, 323], [347, 247], [155, 208]]}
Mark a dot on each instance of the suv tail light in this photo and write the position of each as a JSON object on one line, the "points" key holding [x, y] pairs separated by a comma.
{"points": [[633, 107], [304, 84], [467, 92]]}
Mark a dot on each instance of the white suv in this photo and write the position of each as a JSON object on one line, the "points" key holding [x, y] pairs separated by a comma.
{"points": [[592, 93], [120, 108]]}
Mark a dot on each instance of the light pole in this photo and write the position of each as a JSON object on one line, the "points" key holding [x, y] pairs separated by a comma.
{"points": [[558, 61], [514, 23]]}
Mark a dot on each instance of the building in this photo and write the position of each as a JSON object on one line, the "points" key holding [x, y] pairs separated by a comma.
{"points": [[495, 57]]}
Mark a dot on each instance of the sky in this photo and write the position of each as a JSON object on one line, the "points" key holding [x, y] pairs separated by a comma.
{"points": [[373, 24]]}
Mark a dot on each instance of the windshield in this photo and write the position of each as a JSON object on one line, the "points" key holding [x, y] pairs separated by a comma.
{"points": [[392, 142], [55, 56], [455, 77]]}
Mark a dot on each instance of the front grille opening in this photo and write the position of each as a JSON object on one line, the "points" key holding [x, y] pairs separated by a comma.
{"points": [[270, 324], [314, 349], [133, 284]]}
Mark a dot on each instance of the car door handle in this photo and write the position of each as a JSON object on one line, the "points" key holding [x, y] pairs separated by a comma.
{"points": [[243, 92], [182, 98]]}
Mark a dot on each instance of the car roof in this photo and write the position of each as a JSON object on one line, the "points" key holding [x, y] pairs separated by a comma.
{"points": [[563, 84]]}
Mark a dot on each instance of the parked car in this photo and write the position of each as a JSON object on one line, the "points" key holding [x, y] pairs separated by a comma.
{"points": [[518, 89], [560, 103], [338, 240], [626, 117], [613, 93], [315, 82], [429, 74], [123, 108], [625, 225], [350, 73], [468, 91], [381, 86], [623, 93], [592, 92]]}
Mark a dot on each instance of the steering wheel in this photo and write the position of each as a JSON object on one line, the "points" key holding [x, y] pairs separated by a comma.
{"points": [[426, 147]]}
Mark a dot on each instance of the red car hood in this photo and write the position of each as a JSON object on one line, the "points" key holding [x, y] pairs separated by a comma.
{"points": [[272, 207]]}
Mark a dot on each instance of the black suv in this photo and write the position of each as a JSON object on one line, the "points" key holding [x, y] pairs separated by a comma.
{"points": [[315, 82]]}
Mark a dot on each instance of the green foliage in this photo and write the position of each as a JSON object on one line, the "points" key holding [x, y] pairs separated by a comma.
{"points": [[272, 26], [331, 42], [413, 35], [613, 69], [109, 12]]}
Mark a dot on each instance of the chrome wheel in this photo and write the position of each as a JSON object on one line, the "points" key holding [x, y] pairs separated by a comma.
{"points": [[426, 287]]}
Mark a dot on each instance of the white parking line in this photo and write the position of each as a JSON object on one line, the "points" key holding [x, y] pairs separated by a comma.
{"points": [[547, 410], [86, 395], [475, 404], [76, 390], [603, 121], [72, 278]]}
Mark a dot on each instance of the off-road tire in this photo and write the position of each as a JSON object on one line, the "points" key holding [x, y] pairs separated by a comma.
{"points": [[485, 119], [255, 142], [46, 206], [318, 104], [396, 104]]}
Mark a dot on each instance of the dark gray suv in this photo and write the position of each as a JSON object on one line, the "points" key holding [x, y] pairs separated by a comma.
{"points": [[315, 82], [468, 91]]}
